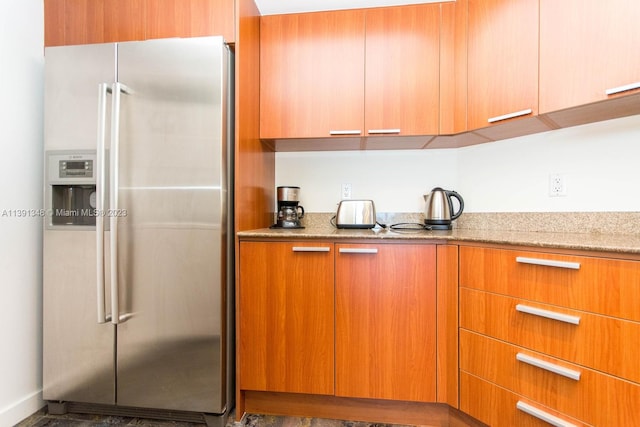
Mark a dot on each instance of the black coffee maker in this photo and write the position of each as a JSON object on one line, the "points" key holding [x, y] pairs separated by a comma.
{"points": [[289, 211]]}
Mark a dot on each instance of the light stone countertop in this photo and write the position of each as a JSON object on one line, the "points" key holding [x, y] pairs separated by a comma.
{"points": [[605, 232]]}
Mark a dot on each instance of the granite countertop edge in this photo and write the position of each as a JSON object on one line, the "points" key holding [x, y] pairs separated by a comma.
{"points": [[613, 242], [575, 241]]}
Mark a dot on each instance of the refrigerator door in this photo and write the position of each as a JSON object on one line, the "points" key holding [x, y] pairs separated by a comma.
{"points": [[78, 352], [171, 224]]}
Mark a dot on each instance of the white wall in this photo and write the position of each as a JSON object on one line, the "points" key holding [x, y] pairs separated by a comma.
{"points": [[21, 75], [599, 162]]}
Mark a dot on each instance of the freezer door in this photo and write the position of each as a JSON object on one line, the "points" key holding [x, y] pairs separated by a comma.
{"points": [[78, 352], [171, 202]]}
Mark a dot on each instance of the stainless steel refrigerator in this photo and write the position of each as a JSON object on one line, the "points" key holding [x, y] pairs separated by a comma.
{"points": [[138, 240]]}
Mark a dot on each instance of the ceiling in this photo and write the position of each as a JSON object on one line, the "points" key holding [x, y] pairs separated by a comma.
{"points": [[275, 7]]}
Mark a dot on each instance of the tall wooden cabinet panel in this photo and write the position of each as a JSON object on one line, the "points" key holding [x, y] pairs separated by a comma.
{"points": [[402, 70], [311, 74], [386, 321], [502, 60], [286, 317], [586, 48]]}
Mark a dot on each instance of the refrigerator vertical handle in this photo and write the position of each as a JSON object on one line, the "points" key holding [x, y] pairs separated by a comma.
{"points": [[116, 90], [103, 88], [113, 200]]}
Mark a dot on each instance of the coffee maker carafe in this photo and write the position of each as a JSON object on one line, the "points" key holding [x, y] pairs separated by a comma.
{"points": [[289, 211]]}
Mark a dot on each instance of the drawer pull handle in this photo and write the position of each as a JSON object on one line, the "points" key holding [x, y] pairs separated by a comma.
{"points": [[345, 132], [510, 115], [542, 364], [383, 131], [567, 318], [311, 249], [358, 250], [548, 262], [542, 415], [619, 89]]}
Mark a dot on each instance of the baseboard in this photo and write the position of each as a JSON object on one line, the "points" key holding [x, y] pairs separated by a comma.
{"points": [[15, 412]]}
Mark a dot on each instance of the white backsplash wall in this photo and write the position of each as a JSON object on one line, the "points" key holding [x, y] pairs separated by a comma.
{"points": [[394, 180], [600, 163]]}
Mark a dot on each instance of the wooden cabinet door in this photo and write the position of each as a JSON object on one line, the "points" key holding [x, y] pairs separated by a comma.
{"points": [[502, 60], [386, 321], [402, 70], [586, 48], [286, 317], [190, 18], [54, 22], [124, 20], [83, 21], [312, 74], [71, 22]]}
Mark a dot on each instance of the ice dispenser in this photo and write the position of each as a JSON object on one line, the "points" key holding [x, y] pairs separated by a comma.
{"points": [[70, 192]]}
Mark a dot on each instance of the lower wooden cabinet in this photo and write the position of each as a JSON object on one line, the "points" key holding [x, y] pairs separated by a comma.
{"points": [[499, 407], [286, 317], [386, 321], [371, 308], [548, 336], [550, 382]]}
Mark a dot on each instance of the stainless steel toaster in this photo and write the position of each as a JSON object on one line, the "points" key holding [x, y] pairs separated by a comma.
{"points": [[356, 214]]}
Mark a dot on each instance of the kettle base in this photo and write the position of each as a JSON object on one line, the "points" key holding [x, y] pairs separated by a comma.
{"points": [[438, 225]]}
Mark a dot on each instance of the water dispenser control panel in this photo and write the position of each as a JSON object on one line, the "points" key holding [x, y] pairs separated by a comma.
{"points": [[71, 166], [70, 191]]}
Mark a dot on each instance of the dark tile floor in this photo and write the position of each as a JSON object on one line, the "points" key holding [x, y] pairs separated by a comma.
{"points": [[43, 419]]}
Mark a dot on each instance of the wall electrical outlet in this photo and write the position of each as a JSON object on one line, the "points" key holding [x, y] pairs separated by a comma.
{"points": [[346, 191], [557, 185]]}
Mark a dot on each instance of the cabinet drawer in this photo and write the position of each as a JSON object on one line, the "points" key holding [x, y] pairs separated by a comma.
{"points": [[497, 406], [599, 285], [599, 342], [583, 393]]}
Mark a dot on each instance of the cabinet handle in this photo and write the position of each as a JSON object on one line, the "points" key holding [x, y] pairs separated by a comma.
{"points": [[345, 132], [542, 364], [383, 131], [624, 88], [358, 250], [542, 415], [311, 249], [566, 318], [548, 262], [510, 115]]}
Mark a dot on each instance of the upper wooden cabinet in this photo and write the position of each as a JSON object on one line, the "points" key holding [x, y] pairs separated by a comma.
{"points": [[70, 22], [356, 72], [191, 18], [311, 69], [502, 61], [402, 70], [587, 48]]}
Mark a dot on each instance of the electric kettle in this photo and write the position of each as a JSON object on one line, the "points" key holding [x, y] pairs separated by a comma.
{"points": [[438, 208]]}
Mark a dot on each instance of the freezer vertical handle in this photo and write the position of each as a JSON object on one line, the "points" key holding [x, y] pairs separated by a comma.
{"points": [[117, 89], [103, 88]]}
